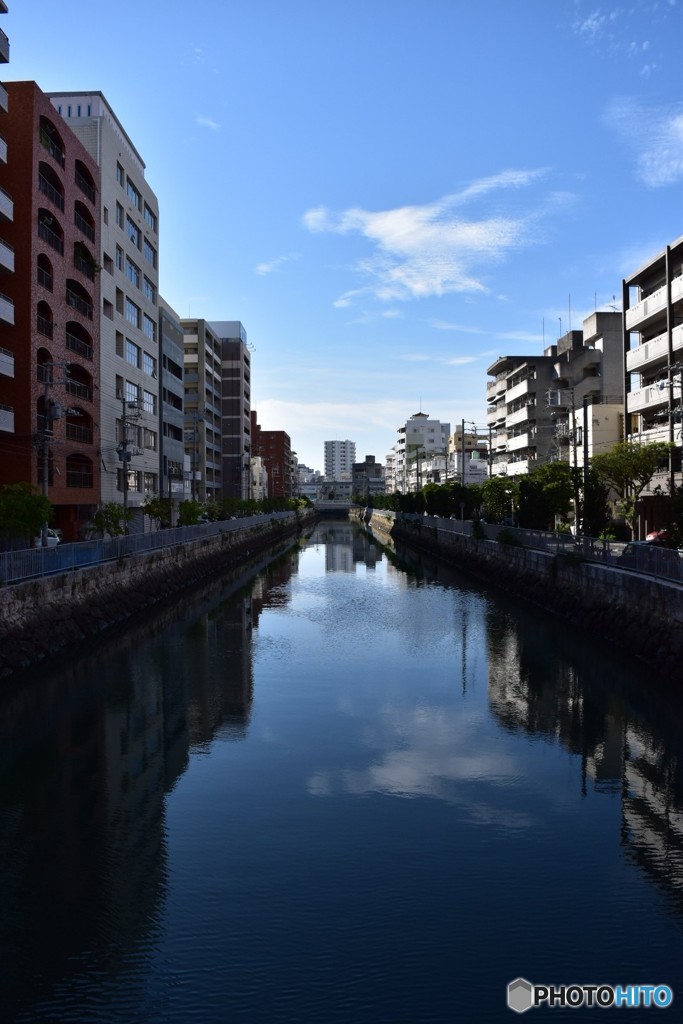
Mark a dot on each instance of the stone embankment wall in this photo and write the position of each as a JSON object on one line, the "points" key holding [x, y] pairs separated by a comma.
{"points": [[643, 616], [55, 615]]}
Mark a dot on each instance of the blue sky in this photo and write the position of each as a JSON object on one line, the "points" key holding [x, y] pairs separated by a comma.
{"points": [[387, 195]]}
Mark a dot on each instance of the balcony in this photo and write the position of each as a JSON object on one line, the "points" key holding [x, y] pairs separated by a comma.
{"points": [[7, 418], [520, 415], [6, 205], [495, 387], [646, 309], [518, 468], [516, 444], [78, 346], [4, 48], [86, 308], [45, 326], [648, 397], [75, 432], [53, 149], [4, 99], [83, 226], [654, 350], [85, 187], [3, 150], [6, 362], [53, 194], [677, 288], [54, 240], [6, 258], [525, 387], [83, 391], [6, 310]]}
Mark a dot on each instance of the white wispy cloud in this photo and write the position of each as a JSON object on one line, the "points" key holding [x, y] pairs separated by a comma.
{"points": [[433, 249], [207, 122], [268, 266], [654, 135]]}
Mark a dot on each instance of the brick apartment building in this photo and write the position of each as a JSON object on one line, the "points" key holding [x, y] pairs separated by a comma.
{"points": [[52, 436], [274, 447]]}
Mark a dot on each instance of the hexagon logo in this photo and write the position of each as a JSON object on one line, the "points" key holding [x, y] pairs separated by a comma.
{"points": [[520, 995]]}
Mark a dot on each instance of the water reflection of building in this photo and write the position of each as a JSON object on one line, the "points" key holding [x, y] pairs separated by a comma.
{"points": [[345, 546], [618, 751]]}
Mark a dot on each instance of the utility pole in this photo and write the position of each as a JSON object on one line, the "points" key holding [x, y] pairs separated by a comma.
{"points": [[462, 452]]}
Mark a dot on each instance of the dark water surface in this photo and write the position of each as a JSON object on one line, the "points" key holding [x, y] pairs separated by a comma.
{"points": [[344, 793]]}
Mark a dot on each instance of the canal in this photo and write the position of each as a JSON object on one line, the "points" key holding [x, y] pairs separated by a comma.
{"points": [[346, 789]]}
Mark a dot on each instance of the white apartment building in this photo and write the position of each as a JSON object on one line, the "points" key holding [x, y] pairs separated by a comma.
{"points": [[561, 406], [420, 439], [339, 459], [128, 279], [653, 347]]}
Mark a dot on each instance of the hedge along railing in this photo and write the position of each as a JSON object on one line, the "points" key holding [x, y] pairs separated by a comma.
{"points": [[29, 563]]}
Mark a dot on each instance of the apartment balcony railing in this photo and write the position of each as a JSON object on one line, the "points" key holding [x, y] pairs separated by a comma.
{"points": [[6, 362], [4, 48], [83, 226], [51, 237], [53, 149], [6, 309], [646, 308], [55, 197], [524, 387], [85, 266], [6, 205], [520, 415], [647, 398], [83, 391], [677, 288], [86, 308], [4, 99], [75, 432], [7, 418], [79, 478], [3, 149], [45, 279], [81, 348], [45, 327], [650, 352], [6, 257], [85, 187]]}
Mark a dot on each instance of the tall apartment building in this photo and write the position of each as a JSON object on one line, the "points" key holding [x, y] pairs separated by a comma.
{"points": [[653, 347], [235, 408], [274, 448], [171, 415], [419, 438], [53, 239], [561, 406], [367, 478], [202, 408], [339, 459], [128, 277], [6, 265]]}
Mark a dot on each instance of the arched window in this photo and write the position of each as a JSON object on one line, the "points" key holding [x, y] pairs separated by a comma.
{"points": [[45, 321], [79, 471], [78, 339], [52, 140], [78, 298], [50, 184], [45, 278]]}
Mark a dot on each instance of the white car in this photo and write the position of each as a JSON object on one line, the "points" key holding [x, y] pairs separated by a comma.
{"points": [[53, 538]]}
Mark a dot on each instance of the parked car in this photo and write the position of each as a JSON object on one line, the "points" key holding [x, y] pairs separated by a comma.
{"points": [[54, 537], [644, 556]]}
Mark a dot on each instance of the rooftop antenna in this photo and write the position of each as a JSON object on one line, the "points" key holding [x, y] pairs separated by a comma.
{"points": [[560, 319], [570, 312]]}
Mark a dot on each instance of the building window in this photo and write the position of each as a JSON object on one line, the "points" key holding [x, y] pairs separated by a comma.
{"points": [[132, 392], [150, 483], [150, 254], [149, 402], [132, 272], [119, 174], [150, 291], [150, 218], [149, 364], [119, 258], [150, 328], [132, 353], [133, 232], [133, 194], [132, 313], [105, 214], [119, 215], [150, 439]]}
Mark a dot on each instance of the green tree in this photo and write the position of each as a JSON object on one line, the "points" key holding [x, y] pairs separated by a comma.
{"points": [[112, 518], [628, 468], [498, 498], [189, 513], [160, 509], [23, 511]]}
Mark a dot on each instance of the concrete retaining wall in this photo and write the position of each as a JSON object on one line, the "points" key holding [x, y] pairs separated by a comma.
{"points": [[59, 615], [640, 614]]}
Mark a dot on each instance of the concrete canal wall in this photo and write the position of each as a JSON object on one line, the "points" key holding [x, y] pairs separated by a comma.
{"points": [[643, 616], [52, 616]]}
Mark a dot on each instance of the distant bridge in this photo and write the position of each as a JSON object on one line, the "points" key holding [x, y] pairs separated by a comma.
{"points": [[340, 506]]}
